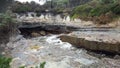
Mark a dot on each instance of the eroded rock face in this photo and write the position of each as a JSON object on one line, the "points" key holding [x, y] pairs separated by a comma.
{"points": [[42, 29], [92, 44]]}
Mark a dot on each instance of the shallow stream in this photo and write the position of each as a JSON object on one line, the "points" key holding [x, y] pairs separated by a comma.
{"points": [[50, 49]]}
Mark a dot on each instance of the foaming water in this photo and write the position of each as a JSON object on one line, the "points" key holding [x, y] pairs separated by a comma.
{"points": [[56, 41], [56, 54], [53, 39]]}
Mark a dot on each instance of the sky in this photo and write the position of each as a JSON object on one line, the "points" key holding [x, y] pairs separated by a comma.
{"points": [[41, 2]]}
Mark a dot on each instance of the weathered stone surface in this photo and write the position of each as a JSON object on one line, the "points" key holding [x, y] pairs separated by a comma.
{"points": [[42, 29], [42, 33], [16, 63], [92, 44], [111, 63], [34, 34]]}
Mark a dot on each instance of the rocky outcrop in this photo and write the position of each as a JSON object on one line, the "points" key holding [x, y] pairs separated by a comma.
{"points": [[95, 45], [42, 29]]}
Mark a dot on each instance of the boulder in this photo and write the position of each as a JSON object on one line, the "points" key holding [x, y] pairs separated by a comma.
{"points": [[43, 33], [92, 44], [34, 34]]}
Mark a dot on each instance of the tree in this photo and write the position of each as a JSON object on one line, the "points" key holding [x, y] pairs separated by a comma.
{"points": [[107, 1], [4, 4], [100, 11]]}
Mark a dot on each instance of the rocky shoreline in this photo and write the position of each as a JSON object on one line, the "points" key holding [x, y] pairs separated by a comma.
{"points": [[78, 37], [31, 52], [92, 38]]}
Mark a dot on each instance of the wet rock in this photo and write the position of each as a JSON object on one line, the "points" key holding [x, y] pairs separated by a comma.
{"points": [[117, 57], [3, 53], [24, 59], [43, 33], [36, 47], [92, 45], [44, 28], [34, 34], [16, 63], [111, 63], [31, 59]]}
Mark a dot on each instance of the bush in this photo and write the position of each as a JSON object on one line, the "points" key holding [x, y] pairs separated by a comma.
{"points": [[104, 18], [38, 14], [106, 1], [116, 10], [81, 11], [5, 19], [42, 65], [5, 62], [101, 11], [7, 27]]}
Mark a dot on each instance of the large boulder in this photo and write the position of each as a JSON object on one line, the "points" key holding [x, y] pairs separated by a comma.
{"points": [[95, 45]]}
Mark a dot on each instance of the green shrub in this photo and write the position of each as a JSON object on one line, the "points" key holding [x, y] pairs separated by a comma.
{"points": [[7, 27], [98, 9], [5, 19], [5, 62], [81, 11], [42, 65], [106, 1], [116, 10]]}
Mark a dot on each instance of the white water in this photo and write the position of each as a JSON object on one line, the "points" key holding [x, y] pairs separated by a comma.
{"points": [[56, 54]]}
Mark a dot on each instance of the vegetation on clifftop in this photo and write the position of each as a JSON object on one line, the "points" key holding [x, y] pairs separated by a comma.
{"points": [[53, 5], [100, 11]]}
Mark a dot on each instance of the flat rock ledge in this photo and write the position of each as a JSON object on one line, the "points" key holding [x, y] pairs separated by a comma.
{"points": [[93, 44]]}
